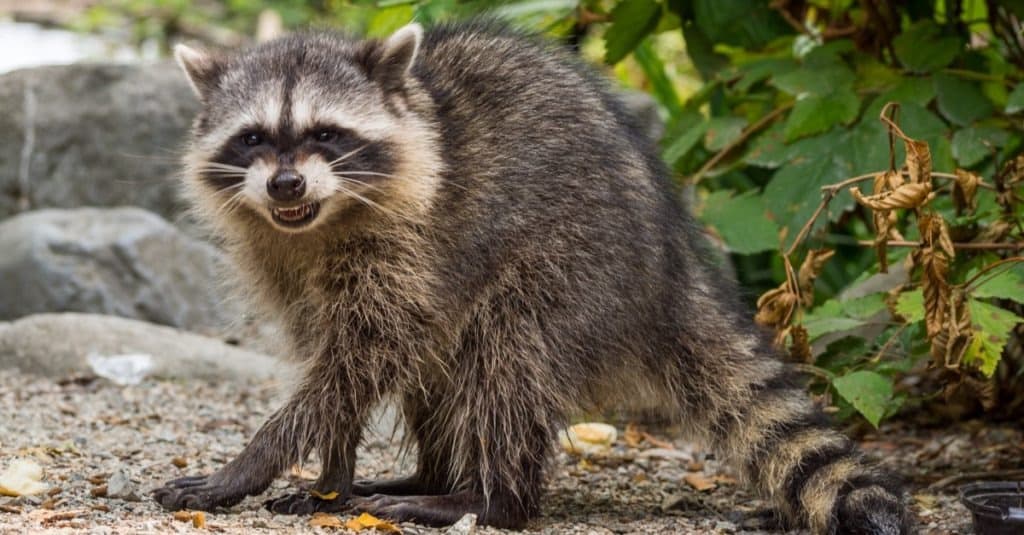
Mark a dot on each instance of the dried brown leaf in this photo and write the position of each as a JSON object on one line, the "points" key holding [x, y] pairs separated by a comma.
{"points": [[952, 341], [182, 516], [809, 271], [333, 495], [910, 195], [800, 346], [366, 520], [919, 161], [199, 520], [775, 307], [934, 257], [324, 520], [965, 188], [700, 482]]}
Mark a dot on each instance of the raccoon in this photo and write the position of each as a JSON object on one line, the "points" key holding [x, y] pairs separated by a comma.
{"points": [[467, 221]]}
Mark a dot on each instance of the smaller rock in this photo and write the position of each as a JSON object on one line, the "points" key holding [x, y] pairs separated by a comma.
{"points": [[120, 486], [465, 526]]}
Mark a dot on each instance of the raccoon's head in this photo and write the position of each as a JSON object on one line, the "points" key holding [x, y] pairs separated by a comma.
{"points": [[308, 126]]}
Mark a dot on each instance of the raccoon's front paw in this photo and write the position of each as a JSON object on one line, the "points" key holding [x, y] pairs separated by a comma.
{"points": [[305, 504], [202, 493], [872, 511]]}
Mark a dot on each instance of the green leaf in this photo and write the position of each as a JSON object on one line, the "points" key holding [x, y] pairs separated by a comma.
{"points": [[1005, 284], [910, 305], [1016, 101], [973, 144], [654, 70], [815, 81], [923, 48], [758, 70], [816, 114], [961, 101], [992, 330], [702, 52], [722, 131], [683, 135], [919, 123], [836, 316], [631, 22], [741, 222], [749, 24], [870, 393]]}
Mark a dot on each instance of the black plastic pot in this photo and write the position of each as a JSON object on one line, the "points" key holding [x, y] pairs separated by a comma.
{"points": [[998, 506]]}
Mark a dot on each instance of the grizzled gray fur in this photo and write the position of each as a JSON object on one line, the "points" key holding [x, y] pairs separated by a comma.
{"points": [[466, 220]]}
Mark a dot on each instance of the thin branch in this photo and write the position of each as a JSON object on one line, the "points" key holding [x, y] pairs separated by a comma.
{"points": [[969, 476], [990, 267], [827, 197], [1014, 246], [696, 178]]}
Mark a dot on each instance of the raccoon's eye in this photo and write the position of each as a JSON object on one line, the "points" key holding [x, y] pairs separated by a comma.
{"points": [[325, 136], [252, 139]]}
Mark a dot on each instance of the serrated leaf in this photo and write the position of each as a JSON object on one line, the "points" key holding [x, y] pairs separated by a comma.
{"points": [[837, 316], [923, 47], [816, 114], [631, 22], [740, 221], [722, 131], [992, 326], [961, 101], [748, 24], [910, 305], [973, 144], [1006, 284], [870, 393], [759, 70], [1015, 102]]}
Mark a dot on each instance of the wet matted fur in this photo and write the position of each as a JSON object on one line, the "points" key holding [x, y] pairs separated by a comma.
{"points": [[481, 231]]}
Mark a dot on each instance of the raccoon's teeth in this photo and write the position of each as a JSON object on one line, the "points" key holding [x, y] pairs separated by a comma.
{"points": [[294, 214]]}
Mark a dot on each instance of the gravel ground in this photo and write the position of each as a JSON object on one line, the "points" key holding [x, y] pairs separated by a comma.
{"points": [[103, 447]]}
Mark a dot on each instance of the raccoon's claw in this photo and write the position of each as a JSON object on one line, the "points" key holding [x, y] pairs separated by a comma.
{"points": [[305, 504], [872, 510], [197, 492]]}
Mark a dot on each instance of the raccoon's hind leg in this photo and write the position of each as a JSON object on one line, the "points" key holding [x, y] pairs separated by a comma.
{"points": [[433, 456], [761, 420]]}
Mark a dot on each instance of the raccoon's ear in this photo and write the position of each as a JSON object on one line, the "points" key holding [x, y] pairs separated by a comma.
{"points": [[202, 68], [397, 55]]}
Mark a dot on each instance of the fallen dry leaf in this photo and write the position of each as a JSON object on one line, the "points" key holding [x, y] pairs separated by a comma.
{"points": [[368, 521], [182, 516], [324, 520], [23, 477], [99, 491], [587, 438], [50, 518], [180, 462], [199, 520], [699, 481], [329, 496]]}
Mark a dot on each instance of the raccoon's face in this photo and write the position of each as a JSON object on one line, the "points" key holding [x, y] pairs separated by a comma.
{"points": [[307, 126]]}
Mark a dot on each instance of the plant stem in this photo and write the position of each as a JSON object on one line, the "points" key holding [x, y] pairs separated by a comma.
{"points": [[696, 178], [1014, 246]]}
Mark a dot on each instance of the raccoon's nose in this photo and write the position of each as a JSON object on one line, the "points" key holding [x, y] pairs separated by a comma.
{"points": [[286, 186]]}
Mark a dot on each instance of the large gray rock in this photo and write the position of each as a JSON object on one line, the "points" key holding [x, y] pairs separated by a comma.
{"points": [[122, 261], [93, 135], [58, 345]]}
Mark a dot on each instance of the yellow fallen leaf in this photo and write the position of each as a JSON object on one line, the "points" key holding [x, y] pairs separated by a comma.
{"points": [[368, 521], [699, 482], [23, 477], [199, 520], [324, 520], [329, 496], [589, 438], [182, 516]]}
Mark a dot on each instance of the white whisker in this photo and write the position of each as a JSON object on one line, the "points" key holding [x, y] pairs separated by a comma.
{"points": [[343, 157]]}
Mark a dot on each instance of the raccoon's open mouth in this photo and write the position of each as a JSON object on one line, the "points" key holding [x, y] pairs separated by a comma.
{"points": [[296, 216]]}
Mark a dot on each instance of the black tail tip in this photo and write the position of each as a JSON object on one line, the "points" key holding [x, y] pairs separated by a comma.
{"points": [[872, 510]]}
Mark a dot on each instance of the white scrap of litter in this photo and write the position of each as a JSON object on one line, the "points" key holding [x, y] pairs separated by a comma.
{"points": [[589, 438], [23, 477], [128, 369]]}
